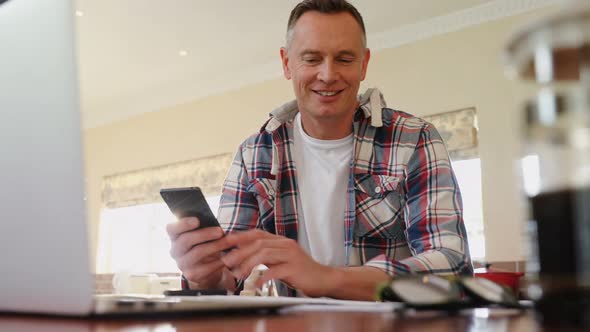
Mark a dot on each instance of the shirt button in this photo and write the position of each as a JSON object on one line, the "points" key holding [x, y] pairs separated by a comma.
{"points": [[377, 190]]}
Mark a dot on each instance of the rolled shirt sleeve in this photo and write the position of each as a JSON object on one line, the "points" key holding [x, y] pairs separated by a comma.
{"points": [[432, 209]]}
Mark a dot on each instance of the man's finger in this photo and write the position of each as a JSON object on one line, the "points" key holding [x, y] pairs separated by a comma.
{"points": [[181, 225], [188, 261], [187, 240], [266, 256], [240, 238], [203, 251], [239, 255], [276, 272], [198, 272]]}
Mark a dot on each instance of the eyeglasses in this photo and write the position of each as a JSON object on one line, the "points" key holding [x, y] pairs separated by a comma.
{"points": [[441, 293]]}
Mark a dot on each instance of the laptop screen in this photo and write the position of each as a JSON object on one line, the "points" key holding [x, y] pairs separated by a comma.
{"points": [[43, 237]]}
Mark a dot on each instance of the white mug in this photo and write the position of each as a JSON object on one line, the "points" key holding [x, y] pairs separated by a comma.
{"points": [[161, 284], [133, 283]]}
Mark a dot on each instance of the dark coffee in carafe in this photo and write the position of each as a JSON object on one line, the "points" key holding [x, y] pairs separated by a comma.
{"points": [[563, 231]]}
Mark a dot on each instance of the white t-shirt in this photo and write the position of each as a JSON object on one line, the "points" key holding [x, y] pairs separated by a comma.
{"points": [[323, 170]]}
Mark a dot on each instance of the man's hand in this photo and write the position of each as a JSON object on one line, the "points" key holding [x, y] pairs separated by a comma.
{"points": [[285, 259], [197, 253]]}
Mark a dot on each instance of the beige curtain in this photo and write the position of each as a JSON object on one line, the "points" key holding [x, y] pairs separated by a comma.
{"points": [[459, 132], [143, 186]]}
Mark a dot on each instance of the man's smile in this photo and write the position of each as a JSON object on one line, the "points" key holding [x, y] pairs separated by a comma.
{"points": [[327, 93]]}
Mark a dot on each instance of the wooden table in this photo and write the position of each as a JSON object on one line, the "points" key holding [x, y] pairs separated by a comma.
{"points": [[295, 321]]}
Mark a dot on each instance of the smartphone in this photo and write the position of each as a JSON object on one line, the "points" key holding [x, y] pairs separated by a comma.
{"points": [[195, 292], [189, 202]]}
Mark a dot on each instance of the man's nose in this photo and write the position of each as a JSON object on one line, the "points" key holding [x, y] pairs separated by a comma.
{"points": [[328, 73]]}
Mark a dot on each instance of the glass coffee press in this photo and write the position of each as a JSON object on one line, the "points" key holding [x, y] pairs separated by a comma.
{"points": [[554, 55]]}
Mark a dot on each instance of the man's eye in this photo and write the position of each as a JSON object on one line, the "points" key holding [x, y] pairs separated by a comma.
{"points": [[311, 60], [346, 60]]}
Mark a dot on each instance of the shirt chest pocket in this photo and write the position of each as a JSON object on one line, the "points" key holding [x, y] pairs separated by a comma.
{"points": [[379, 212], [263, 190]]}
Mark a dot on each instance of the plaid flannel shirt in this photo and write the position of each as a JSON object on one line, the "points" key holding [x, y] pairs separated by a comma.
{"points": [[404, 208]]}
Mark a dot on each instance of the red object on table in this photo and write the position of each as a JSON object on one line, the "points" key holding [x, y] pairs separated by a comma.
{"points": [[505, 278]]}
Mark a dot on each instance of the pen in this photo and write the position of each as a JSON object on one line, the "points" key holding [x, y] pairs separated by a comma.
{"points": [[239, 286]]}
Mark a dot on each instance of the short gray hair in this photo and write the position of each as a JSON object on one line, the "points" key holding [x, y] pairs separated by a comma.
{"points": [[325, 7]]}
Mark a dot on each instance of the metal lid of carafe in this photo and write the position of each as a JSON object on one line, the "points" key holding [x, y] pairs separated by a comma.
{"points": [[556, 48]]}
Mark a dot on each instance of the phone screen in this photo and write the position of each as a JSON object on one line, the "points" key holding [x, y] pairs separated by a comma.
{"points": [[189, 202]]}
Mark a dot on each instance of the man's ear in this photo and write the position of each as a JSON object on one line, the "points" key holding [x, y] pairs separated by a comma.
{"points": [[285, 62], [365, 63]]}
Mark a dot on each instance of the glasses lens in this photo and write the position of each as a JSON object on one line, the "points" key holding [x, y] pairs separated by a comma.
{"points": [[487, 290], [426, 290]]}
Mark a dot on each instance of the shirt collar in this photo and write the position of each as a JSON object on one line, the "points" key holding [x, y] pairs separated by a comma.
{"points": [[371, 103]]}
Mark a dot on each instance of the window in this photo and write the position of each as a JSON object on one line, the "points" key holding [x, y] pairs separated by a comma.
{"points": [[531, 177], [531, 174], [468, 173], [134, 238]]}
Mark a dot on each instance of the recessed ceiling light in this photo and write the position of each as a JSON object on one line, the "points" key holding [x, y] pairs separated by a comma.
{"points": [[183, 53], [79, 13]]}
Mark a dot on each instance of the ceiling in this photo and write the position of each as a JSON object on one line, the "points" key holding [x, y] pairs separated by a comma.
{"points": [[129, 50]]}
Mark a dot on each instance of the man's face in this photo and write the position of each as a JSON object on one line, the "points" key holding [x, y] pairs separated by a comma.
{"points": [[327, 61]]}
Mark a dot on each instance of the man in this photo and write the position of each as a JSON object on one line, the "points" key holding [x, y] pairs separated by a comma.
{"points": [[334, 194]]}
